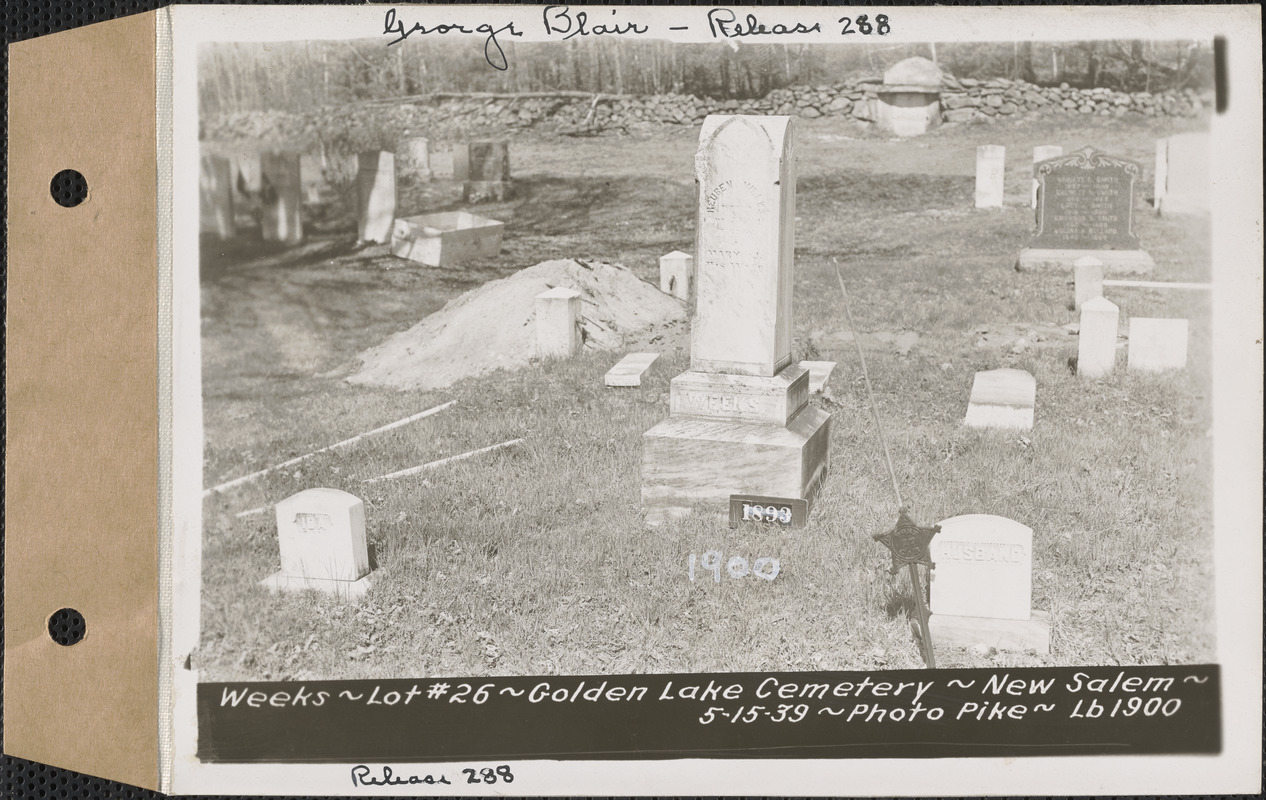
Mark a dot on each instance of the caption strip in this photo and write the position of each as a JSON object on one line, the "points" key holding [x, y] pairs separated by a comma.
{"points": [[893, 714]]}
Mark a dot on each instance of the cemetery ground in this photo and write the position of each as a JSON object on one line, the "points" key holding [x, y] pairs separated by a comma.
{"points": [[535, 559]]}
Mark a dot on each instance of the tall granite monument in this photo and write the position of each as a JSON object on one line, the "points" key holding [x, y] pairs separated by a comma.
{"points": [[1086, 208], [740, 420]]}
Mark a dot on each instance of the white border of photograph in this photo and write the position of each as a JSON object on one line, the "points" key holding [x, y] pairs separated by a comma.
{"points": [[1236, 164]]}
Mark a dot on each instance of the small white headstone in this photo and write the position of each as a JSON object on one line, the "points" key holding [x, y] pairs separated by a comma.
{"points": [[991, 162], [461, 161], [1097, 338], [1160, 178], [415, 158], [376, 192], [312, 173], [280, 188], [984, 568], [442, 164], [1157, 344], [677, 274], [216, 192], [1187, 174], [1002, 398], [1087, 280], [557, 322], [819, 374], [1041, 153], [321, 534], [629, 370], [247, 174]]}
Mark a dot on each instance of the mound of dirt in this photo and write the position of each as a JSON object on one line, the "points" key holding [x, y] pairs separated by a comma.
{"points": [[492, 327]]}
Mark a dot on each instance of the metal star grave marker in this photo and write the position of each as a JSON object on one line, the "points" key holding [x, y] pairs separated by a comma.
{"points": [[909, 544]]}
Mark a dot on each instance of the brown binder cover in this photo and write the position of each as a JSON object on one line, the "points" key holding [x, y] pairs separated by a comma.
{"points": [[81, 490]]}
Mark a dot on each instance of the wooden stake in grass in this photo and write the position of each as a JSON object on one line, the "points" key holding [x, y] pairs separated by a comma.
{"points": [[421, 467], [238, 481], [908, 542]]}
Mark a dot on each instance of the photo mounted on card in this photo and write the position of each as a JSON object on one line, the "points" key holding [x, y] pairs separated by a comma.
{"points": [[689, 400]]}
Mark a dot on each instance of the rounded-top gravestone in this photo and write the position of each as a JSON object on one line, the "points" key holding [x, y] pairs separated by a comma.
{"points": [[910, 97], [321, 535]]}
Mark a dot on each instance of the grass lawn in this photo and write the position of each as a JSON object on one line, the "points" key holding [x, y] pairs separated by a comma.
{"points": [[535, 560]]}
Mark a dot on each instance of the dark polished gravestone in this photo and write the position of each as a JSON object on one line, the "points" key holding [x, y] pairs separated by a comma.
{"points": [[1085, 208]]}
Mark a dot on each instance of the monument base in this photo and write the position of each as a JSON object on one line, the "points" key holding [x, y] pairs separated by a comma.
{"points": [[1016, 635], [687, 462], [1115, 262], [485, 191], [719, 396], [348, 590]]}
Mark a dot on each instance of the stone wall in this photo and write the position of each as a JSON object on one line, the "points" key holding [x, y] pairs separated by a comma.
{"points": [[964, 100], [369, 126]]}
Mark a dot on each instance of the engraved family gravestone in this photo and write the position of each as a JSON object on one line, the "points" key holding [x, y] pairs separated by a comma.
{"points": [[376, 195], [215, 192], [982, 585], [740, 419], [321, 534], [1086, 208]]}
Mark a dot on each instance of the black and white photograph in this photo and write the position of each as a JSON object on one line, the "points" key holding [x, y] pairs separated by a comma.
{"points": [[545, 356]]}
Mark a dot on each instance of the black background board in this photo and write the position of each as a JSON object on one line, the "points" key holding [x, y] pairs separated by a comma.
{"points": [[962, 713]]}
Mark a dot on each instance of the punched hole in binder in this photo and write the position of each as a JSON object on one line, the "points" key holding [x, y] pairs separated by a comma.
{"points": [[69, 188], [67, 627]]}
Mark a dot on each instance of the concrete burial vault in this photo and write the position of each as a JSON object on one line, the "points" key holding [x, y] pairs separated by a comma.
{"points": [[910, 97]]}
